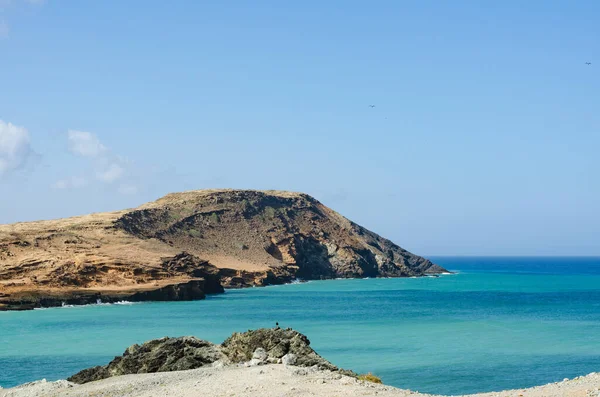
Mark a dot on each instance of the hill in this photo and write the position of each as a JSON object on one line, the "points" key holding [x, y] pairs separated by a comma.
{"points": [[187, 244]]}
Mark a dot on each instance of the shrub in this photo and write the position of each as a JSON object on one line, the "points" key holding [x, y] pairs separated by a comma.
{"points": [[270, 212], [194, 233], [370, 378]]}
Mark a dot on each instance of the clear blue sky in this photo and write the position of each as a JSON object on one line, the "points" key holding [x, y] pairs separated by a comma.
{"points": [[484, 140]]}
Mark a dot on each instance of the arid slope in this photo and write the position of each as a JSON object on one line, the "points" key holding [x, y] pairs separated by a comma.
{"points": [[188, 242]]}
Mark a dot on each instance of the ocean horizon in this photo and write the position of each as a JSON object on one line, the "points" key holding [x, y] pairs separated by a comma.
{"points": [[497, 323]]}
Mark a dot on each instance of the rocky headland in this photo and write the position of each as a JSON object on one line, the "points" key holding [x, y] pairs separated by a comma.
{"points": [[186, 245]]}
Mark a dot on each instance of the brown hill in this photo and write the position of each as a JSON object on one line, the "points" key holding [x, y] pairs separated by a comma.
{"points": [[187, 244]]}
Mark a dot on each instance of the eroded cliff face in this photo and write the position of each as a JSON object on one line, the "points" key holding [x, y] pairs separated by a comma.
{"points": [[27, 300], [230, 238], [279, 230]]}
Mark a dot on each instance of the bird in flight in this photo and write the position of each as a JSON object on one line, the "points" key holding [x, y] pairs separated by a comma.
{"points": [[588, 63], [371, 106]]}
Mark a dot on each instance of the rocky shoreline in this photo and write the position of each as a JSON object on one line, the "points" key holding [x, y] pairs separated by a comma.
{"points": [[265, 362], [189, 290]]}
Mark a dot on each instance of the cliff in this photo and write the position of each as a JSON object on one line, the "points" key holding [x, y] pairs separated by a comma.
{"points": [[187, 244]]}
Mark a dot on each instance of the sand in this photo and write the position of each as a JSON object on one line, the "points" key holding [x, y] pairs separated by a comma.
{"points": [[269, 380]]}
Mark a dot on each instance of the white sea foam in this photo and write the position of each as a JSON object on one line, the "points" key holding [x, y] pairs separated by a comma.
{"points": [[295, 281], [98, 303], [118, 303]]}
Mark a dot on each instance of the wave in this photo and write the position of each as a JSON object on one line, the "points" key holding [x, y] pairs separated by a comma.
{"points": [[293, 282], [297, 281], [122, 303], [98, 303]]}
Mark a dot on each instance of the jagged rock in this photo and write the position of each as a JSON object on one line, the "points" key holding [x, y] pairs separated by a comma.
{"points": [[277, 342], [159, 355], [259, 357], [289, 359], [260, 354], [259, 347], [196, 267], [90, 374], [192, 290]]}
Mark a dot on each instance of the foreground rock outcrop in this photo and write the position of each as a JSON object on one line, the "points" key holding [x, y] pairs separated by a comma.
{"points": [[159, 355], [274, 346], [259, 347], [227, 238]]}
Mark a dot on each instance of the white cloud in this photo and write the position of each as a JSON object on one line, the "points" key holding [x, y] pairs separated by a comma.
{"points": [[128, 189], [15, 147], [106, 166], [72, 182], [111, 173], [85, 144], [4, 29]]}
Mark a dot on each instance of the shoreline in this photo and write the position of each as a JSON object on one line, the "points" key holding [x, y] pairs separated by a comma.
{"points": [[266, 362], [96, 300], [270, 380]]}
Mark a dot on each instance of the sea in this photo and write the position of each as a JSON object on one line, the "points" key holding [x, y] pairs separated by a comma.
{"points": [[496, 323]]}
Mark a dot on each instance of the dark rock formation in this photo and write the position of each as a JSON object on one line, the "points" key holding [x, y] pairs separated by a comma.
{"points": [[277, 343], [261, 346], [186, 263], [158, 355], [192, 290], [234, 278]]}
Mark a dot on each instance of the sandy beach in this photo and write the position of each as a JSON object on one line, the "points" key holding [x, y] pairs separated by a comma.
{"points": [[268, 380]]}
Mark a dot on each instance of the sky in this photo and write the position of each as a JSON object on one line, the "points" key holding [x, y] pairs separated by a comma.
{"points": [[484, 138]]}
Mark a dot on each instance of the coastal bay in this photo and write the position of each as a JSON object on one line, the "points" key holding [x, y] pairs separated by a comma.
{"points": [[498, 324]]}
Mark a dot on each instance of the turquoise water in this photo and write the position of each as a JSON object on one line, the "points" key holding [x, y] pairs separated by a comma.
{"points": [[499, 323]]}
